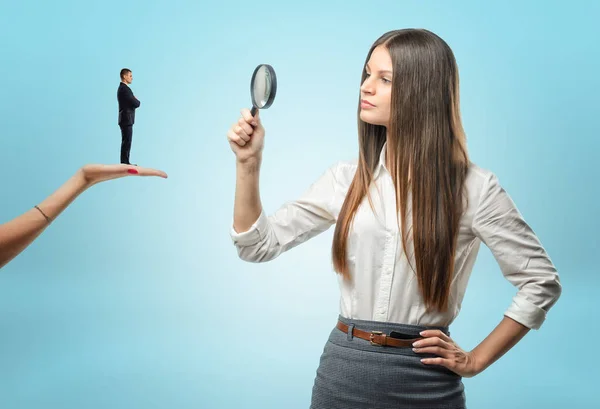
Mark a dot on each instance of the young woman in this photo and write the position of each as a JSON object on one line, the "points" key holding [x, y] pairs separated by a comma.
{"points": [[410, 215], [17, 234]]}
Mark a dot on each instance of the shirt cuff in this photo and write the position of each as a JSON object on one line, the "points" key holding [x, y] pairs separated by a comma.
{"points": [[525, 312], [254, 234]]}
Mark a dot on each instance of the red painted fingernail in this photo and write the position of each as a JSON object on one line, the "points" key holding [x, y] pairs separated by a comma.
{"points": [[132, 171]]}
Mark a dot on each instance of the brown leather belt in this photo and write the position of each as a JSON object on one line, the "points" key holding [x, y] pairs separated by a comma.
{"points": [[377, 337]]}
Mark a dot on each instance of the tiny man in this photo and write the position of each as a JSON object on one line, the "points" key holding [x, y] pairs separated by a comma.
{"points": [[128, 103]]}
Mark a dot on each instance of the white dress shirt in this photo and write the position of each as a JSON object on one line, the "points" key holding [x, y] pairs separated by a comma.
{"points": [[383, 286]]}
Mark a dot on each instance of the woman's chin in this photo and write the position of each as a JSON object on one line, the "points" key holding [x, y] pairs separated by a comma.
{"points": [[367, 117]]}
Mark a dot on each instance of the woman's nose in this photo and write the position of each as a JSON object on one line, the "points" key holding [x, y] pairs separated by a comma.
{"points": [[366, 86]]}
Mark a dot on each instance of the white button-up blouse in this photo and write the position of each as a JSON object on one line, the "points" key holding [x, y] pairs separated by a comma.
{"points": [[383, 286]]}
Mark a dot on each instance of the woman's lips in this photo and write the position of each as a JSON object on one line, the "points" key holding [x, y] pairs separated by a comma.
{"points": [[366, 104]]}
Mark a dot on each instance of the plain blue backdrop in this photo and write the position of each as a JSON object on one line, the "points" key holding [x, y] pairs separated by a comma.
{"points": [[135, 297]]}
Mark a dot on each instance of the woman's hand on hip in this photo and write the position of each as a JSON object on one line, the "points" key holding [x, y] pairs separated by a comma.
{"points": [[449, 354]]}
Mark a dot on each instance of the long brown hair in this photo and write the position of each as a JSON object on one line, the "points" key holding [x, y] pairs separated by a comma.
{"points": [[426, 157]]}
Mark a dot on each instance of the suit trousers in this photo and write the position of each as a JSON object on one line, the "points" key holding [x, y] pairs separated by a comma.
{"points": [[126, 137]]}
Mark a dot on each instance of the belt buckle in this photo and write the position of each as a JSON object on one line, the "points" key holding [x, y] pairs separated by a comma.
{"points": [[372, 336]]}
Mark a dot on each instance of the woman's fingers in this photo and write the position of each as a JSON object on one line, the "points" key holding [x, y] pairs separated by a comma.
{"points": [[147, 172], [439, 351], [235, 138], [436, 333], [248, 118], [245, 126], [433, 341]]}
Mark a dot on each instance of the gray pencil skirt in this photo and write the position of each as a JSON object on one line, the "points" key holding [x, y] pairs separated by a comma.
{"points": [[353, 374]]}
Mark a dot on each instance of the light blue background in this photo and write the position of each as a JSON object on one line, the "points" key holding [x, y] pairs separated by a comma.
{"points": [[135, 297]]}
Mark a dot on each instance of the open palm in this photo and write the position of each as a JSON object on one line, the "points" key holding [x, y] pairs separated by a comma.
{"points": [[96, 173]]}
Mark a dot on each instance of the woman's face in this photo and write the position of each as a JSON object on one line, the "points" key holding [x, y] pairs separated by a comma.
{"points": [[376, 90]]}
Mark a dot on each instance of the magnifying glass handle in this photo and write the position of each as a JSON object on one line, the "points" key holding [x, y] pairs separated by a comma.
{"points": [[253, 111]]}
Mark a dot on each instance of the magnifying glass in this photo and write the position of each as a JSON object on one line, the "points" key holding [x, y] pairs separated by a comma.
{"points": [[263, 87]]}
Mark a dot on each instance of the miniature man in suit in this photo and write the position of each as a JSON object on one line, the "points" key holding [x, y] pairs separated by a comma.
{"points": [[127, 106]]}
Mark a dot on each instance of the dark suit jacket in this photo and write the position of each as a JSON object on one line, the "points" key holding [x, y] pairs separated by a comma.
{"points": [[127, 105]]}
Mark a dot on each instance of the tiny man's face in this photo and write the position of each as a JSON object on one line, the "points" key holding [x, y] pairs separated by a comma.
{"points": [[128, 78]]}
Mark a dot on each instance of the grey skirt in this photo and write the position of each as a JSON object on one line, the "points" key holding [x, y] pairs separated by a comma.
{"points": [[353, 374]]}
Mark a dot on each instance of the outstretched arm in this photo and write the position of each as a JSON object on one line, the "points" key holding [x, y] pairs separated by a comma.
{"points": [[20, 232]]}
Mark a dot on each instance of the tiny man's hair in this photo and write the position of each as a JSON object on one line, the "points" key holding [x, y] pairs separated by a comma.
{"points": [[124, 72]]}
